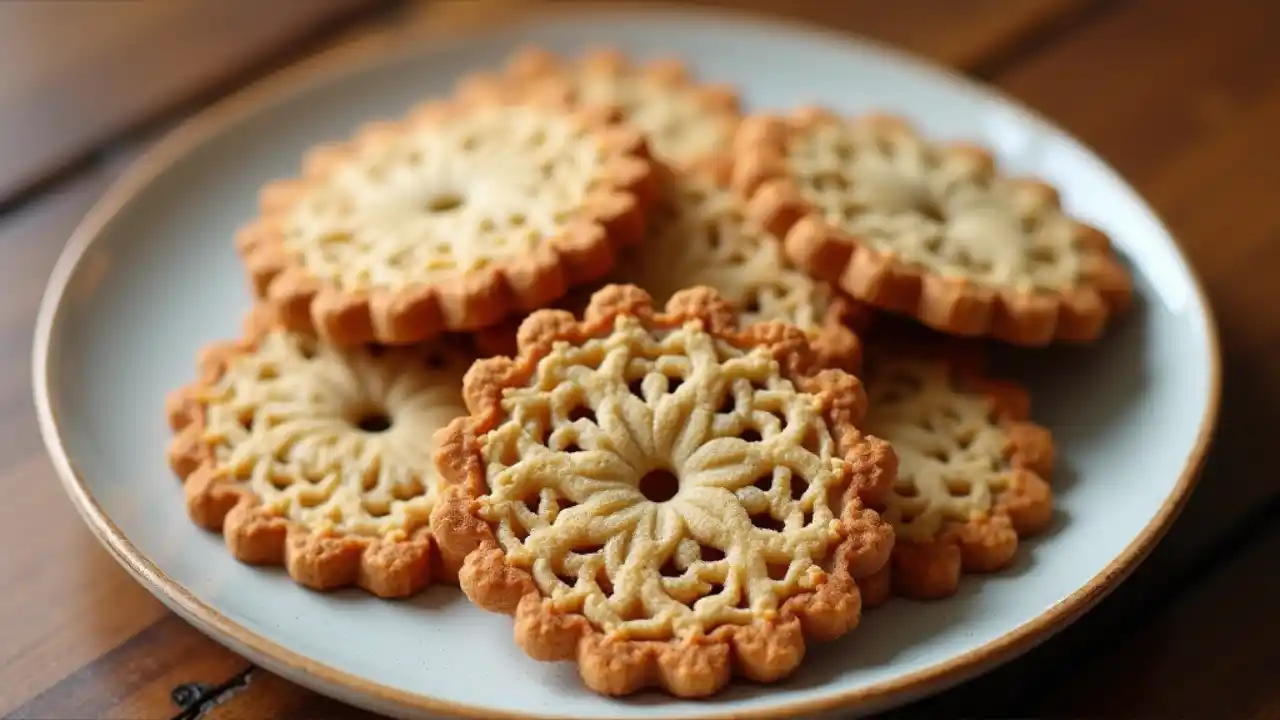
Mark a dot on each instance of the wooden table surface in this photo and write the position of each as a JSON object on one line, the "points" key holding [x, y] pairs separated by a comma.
{"points": [[1183, 98]]}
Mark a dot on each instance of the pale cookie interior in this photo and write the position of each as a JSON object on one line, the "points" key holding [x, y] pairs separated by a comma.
{"points": [[950, 446], [663, 485], [334, 440], [939, 209], [701, 237], [444, 198], [676, 122]]}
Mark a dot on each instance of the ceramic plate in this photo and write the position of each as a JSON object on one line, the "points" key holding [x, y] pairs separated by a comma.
{"points": [[152, 276]]}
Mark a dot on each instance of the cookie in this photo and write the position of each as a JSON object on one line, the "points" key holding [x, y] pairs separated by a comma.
{"points": [[973, 470], [698, 234], [929, 230], [662, 497], [448, 220], [318, 458], [684, 120]]}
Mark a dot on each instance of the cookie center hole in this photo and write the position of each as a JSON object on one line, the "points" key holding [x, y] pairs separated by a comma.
{"points": [[374, 422], [444, 202], [659, 486]]}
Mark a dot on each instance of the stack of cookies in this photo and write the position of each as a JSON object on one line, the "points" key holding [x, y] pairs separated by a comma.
{"points": [[680, 389]]}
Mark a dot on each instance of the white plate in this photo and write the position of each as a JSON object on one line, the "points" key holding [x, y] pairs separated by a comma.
{"points": [[152, 276]]}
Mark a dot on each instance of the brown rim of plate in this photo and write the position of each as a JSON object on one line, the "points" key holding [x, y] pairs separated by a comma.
{"points": [[360, 57]]}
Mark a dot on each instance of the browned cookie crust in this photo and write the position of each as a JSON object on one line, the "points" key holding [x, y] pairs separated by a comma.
{"points": [[698, 234], [973, 474], [661, 496], [448, 220], [927, 229], [318, 458]]}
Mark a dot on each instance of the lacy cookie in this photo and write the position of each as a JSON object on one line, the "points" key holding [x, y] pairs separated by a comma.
{"points": [[928, 230], [684, 121], [318, 458], [449, 220], [662, 497], [972, 470]]}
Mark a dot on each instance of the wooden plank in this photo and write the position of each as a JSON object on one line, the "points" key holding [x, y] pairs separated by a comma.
{"points": [[1212, 654], [972, 35], [1149, 60], [65, 602], [76, 74], [76, 635], [72, 75], [136, 678], [268, 695]]}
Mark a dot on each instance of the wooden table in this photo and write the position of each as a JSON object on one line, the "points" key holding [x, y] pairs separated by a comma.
{"points": [[1184, 99]]}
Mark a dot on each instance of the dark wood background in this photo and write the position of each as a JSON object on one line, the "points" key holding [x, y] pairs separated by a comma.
{"points": [[1183, 96]]}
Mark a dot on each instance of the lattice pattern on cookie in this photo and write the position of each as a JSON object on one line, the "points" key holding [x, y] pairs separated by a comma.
{"points": [[631, 445], [698, 234], [684, 121], [662, 480], [327, 446], [929, 229], [448, 220], [701, 236], [972, 473]]}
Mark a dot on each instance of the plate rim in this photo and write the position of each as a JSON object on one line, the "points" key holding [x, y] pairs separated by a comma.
{"points": [[366, 53]]}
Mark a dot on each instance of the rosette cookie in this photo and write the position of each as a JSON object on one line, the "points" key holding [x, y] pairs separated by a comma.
{"points": [[928, 230], [318, 458], [663, 497], [449, 220]]}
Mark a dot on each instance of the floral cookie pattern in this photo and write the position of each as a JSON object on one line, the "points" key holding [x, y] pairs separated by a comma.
{"points": [[662, 497], [702, 236], [318, 458]]}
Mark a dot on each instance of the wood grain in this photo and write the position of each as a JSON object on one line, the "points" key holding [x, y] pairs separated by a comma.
{"points": [[73, 75], [1212, 654], [974, 35], [269, 695], [136, 678], [79, 638], [64, 601]]}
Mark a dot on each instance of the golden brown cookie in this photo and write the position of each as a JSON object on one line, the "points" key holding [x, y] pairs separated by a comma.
{"points": [[926, 229], [698, 234], [662, 497], [318, 458], [684, 120], [448, 220], [973, 470]]}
